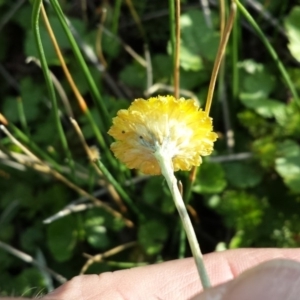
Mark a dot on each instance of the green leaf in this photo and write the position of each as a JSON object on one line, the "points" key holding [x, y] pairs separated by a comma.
{"points": [[291, 23], [255, 124], [31, 95], [31, 238], [198, 42], [100, 217], [288, 164], [265, 150], [157, 194], [44, 133], [86, 128], [237, 240], [190, 79], [210, 179], [190, 61], [289, 120], [152, 235], [61, 238], [7, 232], [97, 237], [294, 73], [111, 47], [241, 211], [23, 16], [243, 175], [134, 75], [288, 148], [28, 279], [96, 232], [30, 44], [257, 81], [265, 107], [6, 260], [10, 109], [79, 77], [162, 68]]}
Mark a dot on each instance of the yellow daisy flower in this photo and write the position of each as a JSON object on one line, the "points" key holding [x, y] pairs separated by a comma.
{"points": [[175, 127]]}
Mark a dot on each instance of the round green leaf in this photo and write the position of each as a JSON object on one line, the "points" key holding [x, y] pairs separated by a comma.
{"points": [[157, 194], [243, 175], [292, 27], [61, 238], [210, 179], [97, 237], [152, 236], [288, 165]]}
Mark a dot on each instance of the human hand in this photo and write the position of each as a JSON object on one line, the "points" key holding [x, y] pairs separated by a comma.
{"points": [[265, 278]]}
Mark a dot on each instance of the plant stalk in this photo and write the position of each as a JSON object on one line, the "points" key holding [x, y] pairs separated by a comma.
{"points": [[167, 171]]}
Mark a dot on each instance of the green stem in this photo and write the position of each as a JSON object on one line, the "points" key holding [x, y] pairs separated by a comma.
{"points": [[44, 65], [116, 15], [22, 117], [105, 120], [271, 50], [182, 243], [167, 171], [124, 265], [235, 53], [172, 31], [118, 187], [34, 148], [177, 52]]}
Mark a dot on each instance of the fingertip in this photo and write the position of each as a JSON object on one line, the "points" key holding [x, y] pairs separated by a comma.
{"points": [[79, 287], [275, 279]]}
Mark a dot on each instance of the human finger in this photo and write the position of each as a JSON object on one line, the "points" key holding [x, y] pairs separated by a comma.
{"points": [[169, 280], [275, 279]]}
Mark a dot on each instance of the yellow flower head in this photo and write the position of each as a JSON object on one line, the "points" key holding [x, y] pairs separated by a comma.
{"points": [[175, 126]]}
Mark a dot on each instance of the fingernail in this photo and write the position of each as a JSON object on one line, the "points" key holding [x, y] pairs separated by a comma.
{"points": [[276, 280]]}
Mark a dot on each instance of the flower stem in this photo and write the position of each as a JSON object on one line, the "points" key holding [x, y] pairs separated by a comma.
{"points": [[167, 171]]}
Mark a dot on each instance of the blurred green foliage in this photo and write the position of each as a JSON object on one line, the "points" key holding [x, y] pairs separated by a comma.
{"points": [[247, 194]]}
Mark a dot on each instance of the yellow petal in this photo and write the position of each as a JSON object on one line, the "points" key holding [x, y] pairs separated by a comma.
{"points": [[177, 125]]}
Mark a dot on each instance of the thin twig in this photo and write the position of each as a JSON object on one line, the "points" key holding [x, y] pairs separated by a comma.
{"points": [[66, 181], [99, 39], [126, 47], [149, 66], [74, 206], [136, 18], [230, 157], [68, 75], [99, 257], [266, 15], [218, 60], [92, 157], [29, 259], [222, 88], [83, 5], [206, 12], [9, 78], [59, 88], [92, 58], [6, 17]]}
